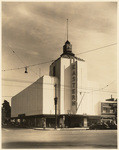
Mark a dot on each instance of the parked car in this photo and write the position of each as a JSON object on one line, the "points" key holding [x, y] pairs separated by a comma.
{"points": [[99, 126], [112, 125]]}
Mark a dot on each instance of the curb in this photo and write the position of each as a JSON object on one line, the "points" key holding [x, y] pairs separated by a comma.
{"points": [[60, 129]]}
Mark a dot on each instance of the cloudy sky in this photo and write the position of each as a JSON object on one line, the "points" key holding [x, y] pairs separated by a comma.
{"points": [[36, 32]]}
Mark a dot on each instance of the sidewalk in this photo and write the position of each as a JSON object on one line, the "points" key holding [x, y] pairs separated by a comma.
{"points": [[49, 129]]}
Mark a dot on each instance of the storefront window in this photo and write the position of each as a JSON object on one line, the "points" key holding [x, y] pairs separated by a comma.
{"points": [[108, 108]]}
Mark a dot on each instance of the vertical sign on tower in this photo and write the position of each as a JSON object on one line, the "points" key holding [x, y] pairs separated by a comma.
{"points": [[74, 87]]}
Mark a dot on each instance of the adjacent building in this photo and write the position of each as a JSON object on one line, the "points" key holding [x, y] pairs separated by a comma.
{"points": [[109, 110]]}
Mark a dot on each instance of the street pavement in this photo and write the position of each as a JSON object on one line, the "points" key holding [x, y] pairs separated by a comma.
{"points": [[69, 138]]}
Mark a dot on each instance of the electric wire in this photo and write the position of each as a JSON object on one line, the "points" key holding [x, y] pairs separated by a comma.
{"points": [[20, 60], [92, 93], [80, 102], [104, 86], [16, 54], [61, 89], [97, 48], [7, 96], [68, 86], [29, 66], [51, 60]]}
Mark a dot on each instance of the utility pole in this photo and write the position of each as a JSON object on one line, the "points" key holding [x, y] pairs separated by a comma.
{"points": [[55, 100]]}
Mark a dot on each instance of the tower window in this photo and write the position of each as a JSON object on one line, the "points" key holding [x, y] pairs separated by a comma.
{"points": [[54, 71]]}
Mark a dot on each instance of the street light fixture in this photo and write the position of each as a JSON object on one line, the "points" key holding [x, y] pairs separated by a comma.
{"points": [[55, 101]]}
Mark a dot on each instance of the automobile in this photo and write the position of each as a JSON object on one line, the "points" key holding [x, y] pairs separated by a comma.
{"points": [[99, 126], [112, 125]]}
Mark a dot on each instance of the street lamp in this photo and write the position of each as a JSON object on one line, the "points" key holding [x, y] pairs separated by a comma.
{"points": [[26, 70], [55, 100]]}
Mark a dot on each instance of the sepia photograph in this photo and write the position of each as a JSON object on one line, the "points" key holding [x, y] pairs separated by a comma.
{"points": [[59, 75]]}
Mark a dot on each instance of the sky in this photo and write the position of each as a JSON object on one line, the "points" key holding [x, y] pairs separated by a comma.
{"points": [[35, 32]]}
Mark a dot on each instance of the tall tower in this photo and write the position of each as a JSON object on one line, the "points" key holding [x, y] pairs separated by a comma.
{"points": [[67, 68]]}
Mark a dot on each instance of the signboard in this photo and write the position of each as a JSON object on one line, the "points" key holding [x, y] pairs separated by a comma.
{"points": [[108, 108], [74, 87]]}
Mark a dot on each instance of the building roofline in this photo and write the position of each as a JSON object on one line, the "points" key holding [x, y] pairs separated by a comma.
{"points": [[68, 58]]}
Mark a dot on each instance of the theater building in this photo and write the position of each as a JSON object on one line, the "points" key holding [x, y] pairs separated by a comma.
{"points": [[78, 103]]}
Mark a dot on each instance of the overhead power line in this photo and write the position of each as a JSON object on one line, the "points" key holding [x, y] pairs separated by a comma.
{"points": [[7, 96], [97, 48], [50, 60], [104, 87], [17, 80], [66, 86], [83, 92], [79, 88], [80, 101], [28, 66], [86, 88], [95, 91], [25, 66], [109, 91], [21, 61], [61, 85], [16, 55]]}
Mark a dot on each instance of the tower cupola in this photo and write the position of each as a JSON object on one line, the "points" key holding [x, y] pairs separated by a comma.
{"points": [[67, 48]]}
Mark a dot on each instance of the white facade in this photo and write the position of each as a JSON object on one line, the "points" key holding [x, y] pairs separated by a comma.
{"points": [[36, 99]]}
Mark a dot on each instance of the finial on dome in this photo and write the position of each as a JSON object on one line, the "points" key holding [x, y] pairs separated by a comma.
{"points": [[67, 29]]}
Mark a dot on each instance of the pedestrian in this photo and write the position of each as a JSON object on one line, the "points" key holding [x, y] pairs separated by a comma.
{"points": [[44, 124]]}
